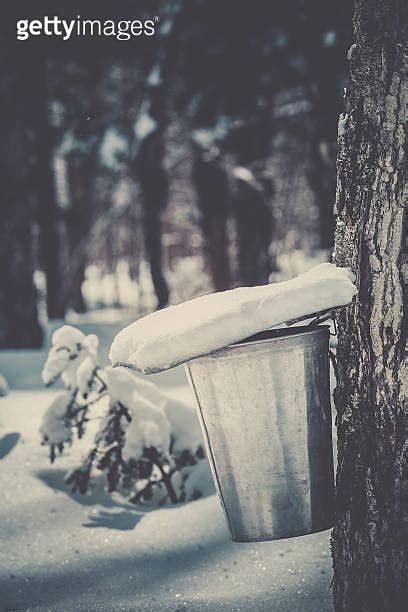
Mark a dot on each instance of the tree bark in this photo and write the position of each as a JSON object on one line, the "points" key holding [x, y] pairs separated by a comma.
{"points": [[369, 539], [19, 326]]}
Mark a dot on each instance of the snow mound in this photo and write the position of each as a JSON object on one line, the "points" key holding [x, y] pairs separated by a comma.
{"points": [[149, 428], [184, 424], [205, 324], [157, 418], [199, 482], [54, 428], [149, 425], [122, 385]]}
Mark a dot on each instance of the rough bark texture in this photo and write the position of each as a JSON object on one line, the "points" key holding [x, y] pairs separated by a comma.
{"points": [[369, 539], [19, 327]]}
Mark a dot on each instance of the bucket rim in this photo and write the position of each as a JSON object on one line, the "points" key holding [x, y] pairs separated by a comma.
{"points": [[281, 332]]}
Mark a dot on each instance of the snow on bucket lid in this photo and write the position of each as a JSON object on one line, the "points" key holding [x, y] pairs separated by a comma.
{"points": [[174, 335]]}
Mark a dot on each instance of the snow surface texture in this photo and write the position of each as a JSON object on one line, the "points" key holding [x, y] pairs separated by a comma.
{"points": [[63, 552], [4, 388], [179, 333]]}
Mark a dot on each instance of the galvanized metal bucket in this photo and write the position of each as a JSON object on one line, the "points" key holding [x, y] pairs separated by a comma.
{"points": [[264, 409]]}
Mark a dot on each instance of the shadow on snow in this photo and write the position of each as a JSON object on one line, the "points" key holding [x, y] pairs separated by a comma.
{"points": [[7, 443]]}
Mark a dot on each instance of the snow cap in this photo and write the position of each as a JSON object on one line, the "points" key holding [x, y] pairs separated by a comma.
{"points": [[174, 335]]}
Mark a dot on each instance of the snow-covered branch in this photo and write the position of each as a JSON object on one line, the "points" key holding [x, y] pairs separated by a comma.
{"points": [[148, 445]]}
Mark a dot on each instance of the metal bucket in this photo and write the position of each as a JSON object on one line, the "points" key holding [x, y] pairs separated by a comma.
{"points": [[264, 409]]}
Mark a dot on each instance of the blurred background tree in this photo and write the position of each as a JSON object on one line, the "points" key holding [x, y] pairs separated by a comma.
{"points": [[150, 171]]}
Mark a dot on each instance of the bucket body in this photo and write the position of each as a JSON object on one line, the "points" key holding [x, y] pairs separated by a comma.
{"points": [[264, 409]]}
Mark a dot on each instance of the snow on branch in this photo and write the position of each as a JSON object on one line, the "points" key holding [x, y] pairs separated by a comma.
{"points": [[68, 350], [148, 445]]}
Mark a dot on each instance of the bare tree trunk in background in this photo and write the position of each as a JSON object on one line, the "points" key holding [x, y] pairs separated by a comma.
{"points": [[81, 171], [48, 213], [369, 541], [211, 182], [19, 326], [254, 224], [252, 192], [154, 185], [321, 138], [321, 176], [325, 62]]}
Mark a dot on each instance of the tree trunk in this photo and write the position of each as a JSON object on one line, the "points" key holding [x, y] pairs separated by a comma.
{"points": [[81, 172], [154, 185], [369, 538], [252, 196], [254, 224], [48, 213], [324, 66], [19, 326], [321, 177], [211, 183]]}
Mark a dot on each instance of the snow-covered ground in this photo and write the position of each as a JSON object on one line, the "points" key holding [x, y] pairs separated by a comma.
{"points": [[60, 551]]}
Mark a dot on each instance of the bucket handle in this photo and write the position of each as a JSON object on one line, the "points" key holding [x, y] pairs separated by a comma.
{"points": [[317, 318]]}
